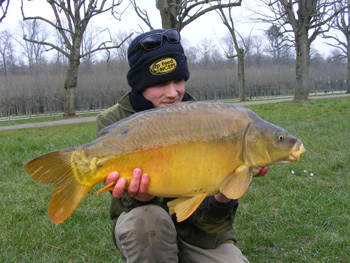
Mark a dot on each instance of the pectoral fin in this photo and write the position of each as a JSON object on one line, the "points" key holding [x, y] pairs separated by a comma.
{"points": [[235, 185], [184, 207]]}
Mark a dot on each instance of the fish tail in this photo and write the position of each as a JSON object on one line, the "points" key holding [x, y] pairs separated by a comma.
{"points": [[55, 169]]}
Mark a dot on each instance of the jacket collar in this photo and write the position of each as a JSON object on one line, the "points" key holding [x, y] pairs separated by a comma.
{"points": [[125, 103]]}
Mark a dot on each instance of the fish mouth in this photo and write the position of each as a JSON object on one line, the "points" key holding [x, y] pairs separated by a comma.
{"points": [[297, 151]]}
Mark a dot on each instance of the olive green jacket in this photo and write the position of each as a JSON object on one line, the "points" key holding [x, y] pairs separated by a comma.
{"points": [[201, 229]]}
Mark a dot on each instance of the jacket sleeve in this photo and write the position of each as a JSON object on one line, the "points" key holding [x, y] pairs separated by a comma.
{"points": [[208, 227], [218, 209], [216, 217], [102, 122]]}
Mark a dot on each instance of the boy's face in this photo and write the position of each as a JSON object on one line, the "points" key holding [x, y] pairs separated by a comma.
{"points": [[165, 94]]}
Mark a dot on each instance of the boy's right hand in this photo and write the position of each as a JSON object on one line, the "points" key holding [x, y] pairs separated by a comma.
{"points": [[137, 188]]}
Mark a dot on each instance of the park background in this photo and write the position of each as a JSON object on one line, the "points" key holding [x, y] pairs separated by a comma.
{"points": [[33, 76], [296, 213]]}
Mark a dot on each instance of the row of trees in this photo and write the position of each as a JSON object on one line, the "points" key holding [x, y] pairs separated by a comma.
{"points": [[294, 24], [101, 84]]}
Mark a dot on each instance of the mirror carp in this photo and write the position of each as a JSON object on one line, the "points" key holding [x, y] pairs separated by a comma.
{"points": [[190, 150]]}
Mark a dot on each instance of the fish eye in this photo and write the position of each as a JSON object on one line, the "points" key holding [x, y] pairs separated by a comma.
{"points": [[279, 136]]}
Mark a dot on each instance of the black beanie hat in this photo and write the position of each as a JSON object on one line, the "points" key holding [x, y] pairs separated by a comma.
{"points": [[158, 66]]}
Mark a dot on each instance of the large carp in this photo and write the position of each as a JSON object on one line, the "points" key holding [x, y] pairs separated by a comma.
{"points": [[190, 151]]}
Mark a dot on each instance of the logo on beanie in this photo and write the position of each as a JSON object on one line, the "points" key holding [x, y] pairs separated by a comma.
{"points": [[163, 66]]}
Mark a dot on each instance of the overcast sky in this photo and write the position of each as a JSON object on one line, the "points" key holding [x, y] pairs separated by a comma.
{"points": [[208, 26]]}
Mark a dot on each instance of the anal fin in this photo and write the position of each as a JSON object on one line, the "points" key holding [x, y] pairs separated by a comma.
{"points": [[235, 185], [108, 187], [185, 206]]}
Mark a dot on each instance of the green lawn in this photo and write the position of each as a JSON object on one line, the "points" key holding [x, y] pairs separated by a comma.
{"points": [[286, 216]]}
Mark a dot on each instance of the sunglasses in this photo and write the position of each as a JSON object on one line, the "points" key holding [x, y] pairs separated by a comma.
{"points": [[154, 41]]}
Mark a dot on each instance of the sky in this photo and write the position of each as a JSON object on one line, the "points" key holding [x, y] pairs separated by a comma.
{"points": [[208, 26]]}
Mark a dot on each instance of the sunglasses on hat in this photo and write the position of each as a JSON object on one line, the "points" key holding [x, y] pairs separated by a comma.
{"points": [[154, 41]]}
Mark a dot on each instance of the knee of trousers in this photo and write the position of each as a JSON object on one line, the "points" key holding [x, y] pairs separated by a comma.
{"points": [[146, 227]]}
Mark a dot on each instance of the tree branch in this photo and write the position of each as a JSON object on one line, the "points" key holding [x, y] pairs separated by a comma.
{"points": [[142, 14], [4, 8], [76, 25], [203, 11], [53, 46], [103, 46]]}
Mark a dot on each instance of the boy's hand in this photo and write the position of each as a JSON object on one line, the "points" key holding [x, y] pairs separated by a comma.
{"points": [[137, 188]]}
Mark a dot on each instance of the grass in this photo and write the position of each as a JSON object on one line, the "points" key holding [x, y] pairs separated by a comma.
{"points": [[298, 217], [283, 217]]}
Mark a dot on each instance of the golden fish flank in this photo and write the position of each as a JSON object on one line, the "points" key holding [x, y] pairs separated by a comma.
{"points": [[190, 151]]}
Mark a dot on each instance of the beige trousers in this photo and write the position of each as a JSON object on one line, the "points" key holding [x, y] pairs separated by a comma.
{"points": [[147, 234]]}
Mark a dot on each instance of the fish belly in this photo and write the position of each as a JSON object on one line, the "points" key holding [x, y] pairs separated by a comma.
{"points": [[182, 169]]}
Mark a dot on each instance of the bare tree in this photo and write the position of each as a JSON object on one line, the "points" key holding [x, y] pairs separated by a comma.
{"points": [[179, 13], [192, 55], [121, 53], [4, 6], [60, 58], [276, 41], [5, 50], [33, 52], [342, 24], [305, 19], [75, 14], [90, 41], [205, 48], [256, 50], [240, 50]]}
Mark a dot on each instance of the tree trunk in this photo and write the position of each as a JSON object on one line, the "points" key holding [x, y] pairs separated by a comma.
{"points": [[70, 84], [168, 11], [348, 56], [241, 76], [302, 68], [348, 48]]}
